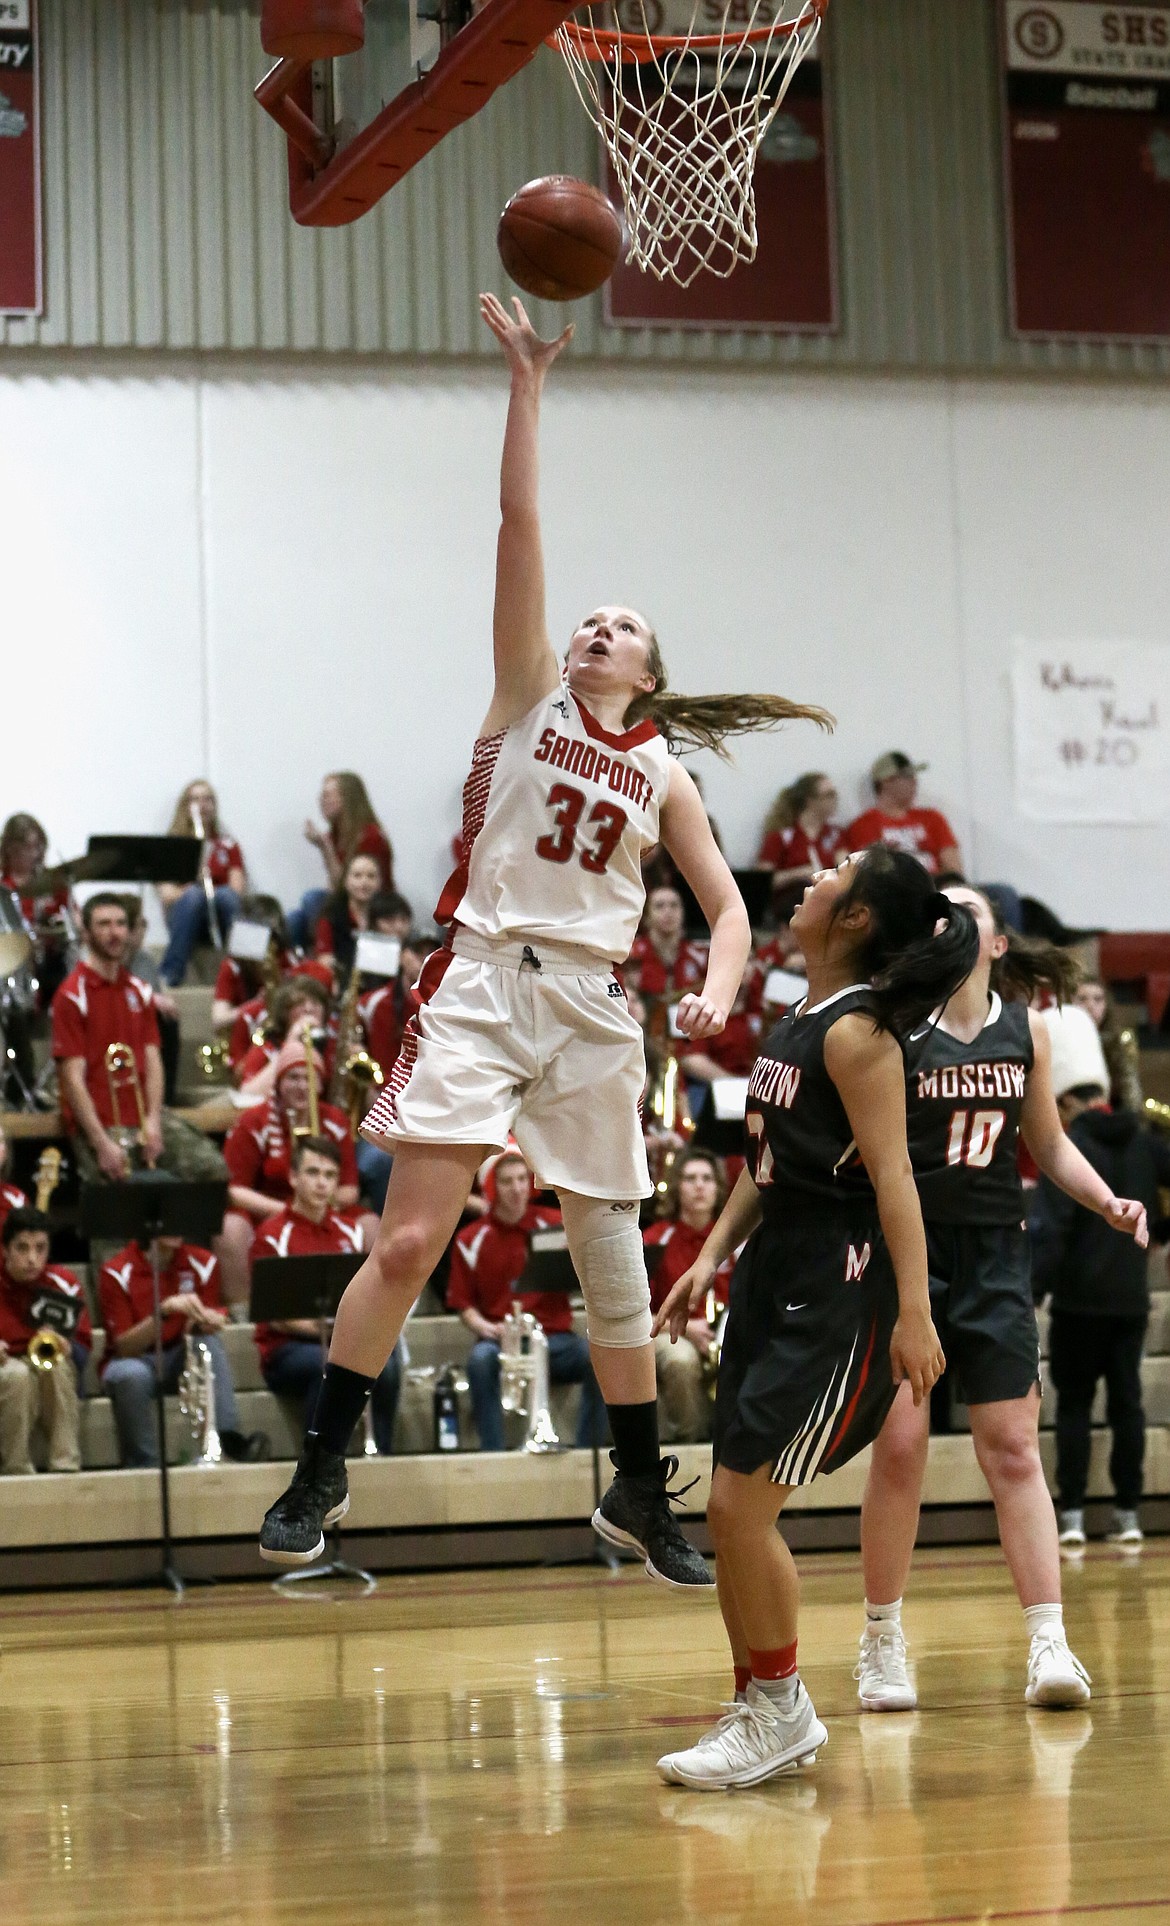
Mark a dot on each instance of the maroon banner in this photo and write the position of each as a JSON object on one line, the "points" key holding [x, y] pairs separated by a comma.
{"points": [[20, 163], [791, 286], [1087, 167]]}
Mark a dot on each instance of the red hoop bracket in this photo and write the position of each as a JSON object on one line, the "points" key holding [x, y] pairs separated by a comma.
{"points": [[327, 188]]}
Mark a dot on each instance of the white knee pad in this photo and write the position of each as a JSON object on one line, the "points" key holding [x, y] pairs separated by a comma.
{"points": [[606, 1247]]}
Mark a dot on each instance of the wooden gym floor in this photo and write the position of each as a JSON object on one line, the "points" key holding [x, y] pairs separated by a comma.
{"points": [[481, 1747]]}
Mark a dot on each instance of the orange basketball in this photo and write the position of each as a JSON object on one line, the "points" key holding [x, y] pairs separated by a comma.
{"points": [[559, 238]]}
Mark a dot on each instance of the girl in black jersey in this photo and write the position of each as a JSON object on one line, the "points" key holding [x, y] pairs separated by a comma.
{"points": [[829, 1305], [975, 1078]]}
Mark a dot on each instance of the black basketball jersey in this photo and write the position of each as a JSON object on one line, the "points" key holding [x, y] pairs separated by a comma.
{"points": [[799, 1144], [963, 1104]]}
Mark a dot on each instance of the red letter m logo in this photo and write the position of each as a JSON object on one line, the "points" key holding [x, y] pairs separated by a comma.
{"points": [[856, 1262]]}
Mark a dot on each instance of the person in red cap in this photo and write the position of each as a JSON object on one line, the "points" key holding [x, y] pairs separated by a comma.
{"points": [[487, 1262], [258, 1154], [897, 821]]}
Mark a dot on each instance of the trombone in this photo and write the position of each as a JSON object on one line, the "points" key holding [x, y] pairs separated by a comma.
{"points": [[205, 875], [313, 1127], [122, 1075]]}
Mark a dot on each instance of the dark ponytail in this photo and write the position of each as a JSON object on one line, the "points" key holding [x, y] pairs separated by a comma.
{"points": [[1029, 964], [912, 969]]}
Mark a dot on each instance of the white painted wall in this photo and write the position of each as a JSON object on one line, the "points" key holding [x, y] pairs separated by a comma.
{"points": [[261, 575]]}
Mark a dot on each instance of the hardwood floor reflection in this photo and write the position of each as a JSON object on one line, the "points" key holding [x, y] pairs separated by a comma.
{"points": [[482, 1746]]}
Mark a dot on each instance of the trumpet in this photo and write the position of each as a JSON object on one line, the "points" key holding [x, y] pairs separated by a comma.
{"points": [[122, 1074], [47, 1349], [524, 1378], [197, 1400], [205, 876]]}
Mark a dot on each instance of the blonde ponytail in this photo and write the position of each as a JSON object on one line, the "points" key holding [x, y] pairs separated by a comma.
{"points": [[705, 722]]}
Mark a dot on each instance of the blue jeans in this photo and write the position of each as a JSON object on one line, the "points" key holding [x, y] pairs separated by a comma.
{"points": [[374, 1167], [294, 1371], [568, 1363], [188, 923], [302, 921], [130, 1383]]}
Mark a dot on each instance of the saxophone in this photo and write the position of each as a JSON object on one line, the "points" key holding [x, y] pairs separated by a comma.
{"points": [[524, 1378], [355, 1072], [197, 1400]]}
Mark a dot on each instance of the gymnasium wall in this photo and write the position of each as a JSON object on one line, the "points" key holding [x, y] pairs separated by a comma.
{"points": [[265, 571]]}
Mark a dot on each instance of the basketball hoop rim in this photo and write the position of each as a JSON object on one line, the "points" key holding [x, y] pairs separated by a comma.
{"points": [[601, 43]]}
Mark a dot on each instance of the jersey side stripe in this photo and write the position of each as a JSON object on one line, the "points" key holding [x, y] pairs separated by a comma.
{"points": [[484, 758]]}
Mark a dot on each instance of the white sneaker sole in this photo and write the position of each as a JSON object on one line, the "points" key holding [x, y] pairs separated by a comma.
{"points": [[309, 1557], [802, 1753], [890, 1701], [625, 1541], [1058, 1694]]}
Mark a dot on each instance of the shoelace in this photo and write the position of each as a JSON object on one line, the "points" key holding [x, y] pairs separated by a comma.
{"points": [[882, 1652], [745, 1731], [1048, 1645], [675, 1497]]}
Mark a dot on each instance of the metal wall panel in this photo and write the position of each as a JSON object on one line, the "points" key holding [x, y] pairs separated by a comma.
{"points": [[167, 225]]}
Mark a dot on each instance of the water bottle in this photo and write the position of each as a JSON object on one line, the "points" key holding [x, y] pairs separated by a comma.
{"points": [[446, 1411]]}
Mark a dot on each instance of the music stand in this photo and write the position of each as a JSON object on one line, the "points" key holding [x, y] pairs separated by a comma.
{"points": [[143, 859], [719, 1125], [148, 1205], [284, 1288], [754, 885]]}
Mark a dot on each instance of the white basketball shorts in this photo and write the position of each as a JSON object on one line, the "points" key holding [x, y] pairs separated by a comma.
{"points": [[551, 1056]]}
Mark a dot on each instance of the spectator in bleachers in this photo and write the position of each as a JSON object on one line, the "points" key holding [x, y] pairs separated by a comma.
{"points": [[384, 1010], [37, 1296], [1121, 1057], [663, 962], [258, 1153], [141, 963], [685, 1371], [189, 1303], [311, 1225], [487, 1261], [1099, 1285], [896, 820], [800, 838], [11, 1196], [346, 913], [240, 978], [298, 1001], [23, 848], [97, 1005], [351, 829], [392, 915], [186, 908]]}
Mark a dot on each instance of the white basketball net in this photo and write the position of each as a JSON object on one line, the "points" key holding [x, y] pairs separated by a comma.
{"points": [[683, 122]]}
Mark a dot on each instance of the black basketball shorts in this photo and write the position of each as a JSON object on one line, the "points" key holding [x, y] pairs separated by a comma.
{"points": [[981, 1302], [804, 1375]]}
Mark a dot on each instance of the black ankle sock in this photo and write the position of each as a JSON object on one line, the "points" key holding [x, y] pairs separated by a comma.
{"points": [[340, 1403], [635, 1438]]}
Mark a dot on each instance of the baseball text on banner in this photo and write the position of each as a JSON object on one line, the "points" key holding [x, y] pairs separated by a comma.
{"points": [[1087, 167], [1092, 732], [20, 210]]}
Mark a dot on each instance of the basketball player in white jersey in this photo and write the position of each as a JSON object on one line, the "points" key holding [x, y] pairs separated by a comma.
{"points": [[523, 1026]]}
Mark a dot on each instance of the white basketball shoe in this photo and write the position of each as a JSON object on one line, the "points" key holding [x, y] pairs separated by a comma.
{"points": [[753, 1741], [883, 1678], [1055, 1676]]}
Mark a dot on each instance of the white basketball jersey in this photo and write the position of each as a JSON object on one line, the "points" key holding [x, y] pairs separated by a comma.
{"points": [[557, 812]]}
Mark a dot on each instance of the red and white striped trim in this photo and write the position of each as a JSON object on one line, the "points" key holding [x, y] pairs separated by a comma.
{"points": [[484, 758], [383, 1118]]}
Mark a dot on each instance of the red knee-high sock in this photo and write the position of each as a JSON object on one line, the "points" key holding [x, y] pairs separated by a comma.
{"points": [[774, 1674]]}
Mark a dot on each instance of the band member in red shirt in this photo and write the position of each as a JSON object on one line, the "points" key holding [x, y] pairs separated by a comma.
{"points": [[351, 829], [100, 1004], [298, 1001], [310, 1225], [694, 1199], [189, 1304], [733, 1052], [800, 838], [37, 1296], [187, 908], [258, 1153], [346, 914], [11, 1196], [896, 821], [487, 1262], [23, 847], [663, 962]]}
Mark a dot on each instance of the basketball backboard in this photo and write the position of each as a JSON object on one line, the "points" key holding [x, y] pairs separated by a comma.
{"points": [[357, 124]]}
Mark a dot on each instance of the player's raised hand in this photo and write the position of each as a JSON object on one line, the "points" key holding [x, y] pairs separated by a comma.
{"points": [[916, 1354], [1127, 1215], [684, 1300], [518, 338], [698, 1017]]}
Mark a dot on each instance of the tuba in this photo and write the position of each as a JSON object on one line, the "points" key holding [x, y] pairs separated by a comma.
{"points": [[197, 1400], [524, 1378], [122, 1075], [47, 1349]]}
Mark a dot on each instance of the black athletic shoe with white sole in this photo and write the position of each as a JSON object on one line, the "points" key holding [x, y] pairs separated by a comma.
{"points": [[635, 1515], [293, 1532]]}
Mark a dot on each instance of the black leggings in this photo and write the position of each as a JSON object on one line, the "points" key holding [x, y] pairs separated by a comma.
{"points": [[1081, 1351]]}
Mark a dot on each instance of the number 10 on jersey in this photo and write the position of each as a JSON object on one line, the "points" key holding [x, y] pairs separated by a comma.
{"points": [[973, 1136]]}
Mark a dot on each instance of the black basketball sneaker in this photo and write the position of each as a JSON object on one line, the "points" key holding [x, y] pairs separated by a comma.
{"points": [[293, 1532], [635, 1515]]}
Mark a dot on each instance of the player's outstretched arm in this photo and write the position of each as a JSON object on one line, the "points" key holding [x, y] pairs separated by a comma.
{"points": [[1058, 1157], [686, 833], [526, 668], [866, 1066], [736, 1221]]}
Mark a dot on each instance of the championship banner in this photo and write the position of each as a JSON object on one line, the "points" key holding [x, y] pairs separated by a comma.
{"points": [[1087, 167], [791, 286], [1092, 732], [20, 168]]}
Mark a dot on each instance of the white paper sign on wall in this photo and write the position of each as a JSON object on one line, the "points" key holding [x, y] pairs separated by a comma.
{"points": [[1092, 732]]}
